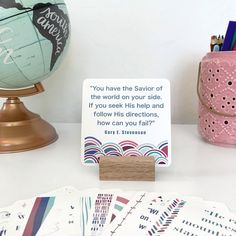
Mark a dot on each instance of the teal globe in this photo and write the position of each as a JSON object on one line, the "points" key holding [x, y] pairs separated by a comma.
{"points": [[34, 37]]}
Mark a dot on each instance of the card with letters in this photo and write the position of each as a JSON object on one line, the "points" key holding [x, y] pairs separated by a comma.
{"points": [[112, 212], [126, 117], [153, 214]]}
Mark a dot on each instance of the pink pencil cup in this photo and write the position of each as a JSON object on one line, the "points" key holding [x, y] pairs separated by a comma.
{"points": [[216, 90]]}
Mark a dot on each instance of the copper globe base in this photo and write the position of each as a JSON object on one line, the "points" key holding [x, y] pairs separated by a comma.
{"points": [[22, 130]]}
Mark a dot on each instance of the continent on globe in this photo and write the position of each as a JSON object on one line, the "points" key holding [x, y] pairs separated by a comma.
{"points": [[11, 4], [53, 24]]}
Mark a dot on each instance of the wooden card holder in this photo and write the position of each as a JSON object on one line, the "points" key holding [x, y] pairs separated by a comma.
{"points": [[127, 168]]}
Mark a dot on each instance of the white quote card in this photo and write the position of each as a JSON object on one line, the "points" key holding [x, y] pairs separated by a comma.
{"points": [[126, 117]]}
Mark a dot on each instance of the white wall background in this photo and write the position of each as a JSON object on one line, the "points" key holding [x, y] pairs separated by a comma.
{"points": [[134, 38]]}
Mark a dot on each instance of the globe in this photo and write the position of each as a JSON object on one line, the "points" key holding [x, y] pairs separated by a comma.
{"points": [[34, 36]]}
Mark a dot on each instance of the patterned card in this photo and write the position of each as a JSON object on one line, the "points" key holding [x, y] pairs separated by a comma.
{"points": [[126, 117], [99, 215], [112, 212]]}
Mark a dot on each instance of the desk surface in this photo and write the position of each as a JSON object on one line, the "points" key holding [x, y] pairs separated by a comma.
{"points": [[198, 169]]}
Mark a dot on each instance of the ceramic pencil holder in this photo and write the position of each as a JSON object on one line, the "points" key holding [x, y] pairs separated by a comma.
{"points": [[216, 90]]}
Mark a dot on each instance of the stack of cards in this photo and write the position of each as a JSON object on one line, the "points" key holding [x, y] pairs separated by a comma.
{"points": [[92, 212]]}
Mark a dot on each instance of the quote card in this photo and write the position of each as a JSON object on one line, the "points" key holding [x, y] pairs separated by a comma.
{"points": [[126, 117]]}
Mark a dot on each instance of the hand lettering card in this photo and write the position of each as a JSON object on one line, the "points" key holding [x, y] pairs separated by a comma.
{"points": [[112, 212], [199, 218], [126, 117]]}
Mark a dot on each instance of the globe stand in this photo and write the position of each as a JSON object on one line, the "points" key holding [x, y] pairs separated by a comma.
{"points": [[20, 129]]}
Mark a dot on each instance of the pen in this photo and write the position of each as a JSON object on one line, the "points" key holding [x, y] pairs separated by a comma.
{"points": [[229, 36], [233, 40]]}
